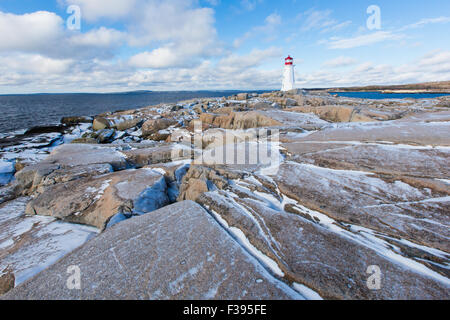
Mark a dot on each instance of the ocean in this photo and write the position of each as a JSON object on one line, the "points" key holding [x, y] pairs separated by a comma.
{"points": [[20, 112], [25, 111], [380, 95]]}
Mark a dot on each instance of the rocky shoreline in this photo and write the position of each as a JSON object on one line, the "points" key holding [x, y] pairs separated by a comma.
{"points": [[138, 197]]}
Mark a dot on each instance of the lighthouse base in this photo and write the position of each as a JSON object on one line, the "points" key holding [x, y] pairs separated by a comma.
{"points": [[288, 79]]}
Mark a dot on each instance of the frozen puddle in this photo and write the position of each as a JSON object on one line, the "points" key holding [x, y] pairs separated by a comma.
{"points": [[30, 244]]}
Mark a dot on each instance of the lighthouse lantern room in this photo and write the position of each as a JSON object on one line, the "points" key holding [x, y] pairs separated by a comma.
{"points": [[288, 75]]}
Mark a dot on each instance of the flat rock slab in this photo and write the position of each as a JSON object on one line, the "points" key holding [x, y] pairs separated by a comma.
{"points": [[328, 259], [67, 157], [295, 119], [423, 162], [178, 252], [94, 201], [70, 155], [161, 154], [29, 244], [406, 132], [394, 207]]}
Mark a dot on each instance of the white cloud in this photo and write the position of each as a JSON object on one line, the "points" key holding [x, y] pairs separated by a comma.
{"points": [[33, 63], [362, 40], [93, 10], [426, 21], [29, 32], [102, 37], [178, 48], [235, 72], [435, 58], [237, 63], [434, 66], [339, 62], [321, 20], [337, 27], [181, 33], [158, 59], [273, 19]]}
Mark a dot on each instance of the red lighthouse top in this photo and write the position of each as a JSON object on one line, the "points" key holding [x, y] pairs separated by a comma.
{"points": [[289, 61]]}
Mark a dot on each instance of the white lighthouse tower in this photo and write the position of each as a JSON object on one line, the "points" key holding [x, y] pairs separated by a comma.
{"points": [[288, 75]]}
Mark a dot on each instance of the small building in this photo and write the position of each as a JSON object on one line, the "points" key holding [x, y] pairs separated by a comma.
{"points": [[288, 75]]}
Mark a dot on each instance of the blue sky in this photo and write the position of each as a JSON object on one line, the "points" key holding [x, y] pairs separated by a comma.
{"points": [[216, 44]]}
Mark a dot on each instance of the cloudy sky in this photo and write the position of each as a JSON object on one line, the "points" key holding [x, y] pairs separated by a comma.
{"points": [[125, 45]]}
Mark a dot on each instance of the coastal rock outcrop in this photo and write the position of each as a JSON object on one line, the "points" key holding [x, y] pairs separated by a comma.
{"points": [[297, 194], [238, 120], [178, 252], [198, 180], [71, 161], [153, 126], [95, 200], [303, 251], [121, 122], [7, 281]]}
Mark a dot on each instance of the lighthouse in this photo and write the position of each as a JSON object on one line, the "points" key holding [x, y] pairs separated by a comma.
{"points": [[288, 75]]}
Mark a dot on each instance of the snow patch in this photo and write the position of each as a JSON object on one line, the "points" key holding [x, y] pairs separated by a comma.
{"points": [[242, 239], [308, 293]]}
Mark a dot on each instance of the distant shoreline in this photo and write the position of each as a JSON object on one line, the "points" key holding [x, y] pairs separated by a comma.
{"points": [[388, 91], [426, 87]]}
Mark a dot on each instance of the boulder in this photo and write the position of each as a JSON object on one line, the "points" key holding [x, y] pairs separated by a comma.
{"points": [[86, 140], [100, 123], [239, 120], [120, 122], [45, 129], [198, 180], [261, 105], [153, 126], [29, 178], [192, 189], [105, 135], [71, 121], [9, 192], [293, 120], [291, 102], [78, 154], [328, 113], [159, 136], [160, 154], [73, 173], [95, 200], [65, 158], [178, 252], [340, 113], [7, 281], [242, 96]]}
